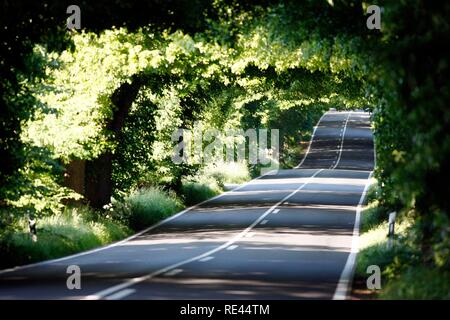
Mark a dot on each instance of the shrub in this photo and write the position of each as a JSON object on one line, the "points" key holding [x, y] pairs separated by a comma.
{"points": [[147, 206], [419, 282], [227, 172], [194, 192]]}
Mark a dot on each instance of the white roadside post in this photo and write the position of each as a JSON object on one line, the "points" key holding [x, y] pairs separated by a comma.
{"points": [[391, 231]]}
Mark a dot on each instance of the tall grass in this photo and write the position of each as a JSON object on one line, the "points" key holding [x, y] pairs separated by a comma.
{"points": [[212, 180], [62, 234], [147, 206], [194, 192], [419, 283], [372, 216], [227, 172], [373, 248]]}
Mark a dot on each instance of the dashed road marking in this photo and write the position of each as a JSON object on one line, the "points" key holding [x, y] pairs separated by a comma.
{"points": [[173, 272], [121, 294], [206, 259]]}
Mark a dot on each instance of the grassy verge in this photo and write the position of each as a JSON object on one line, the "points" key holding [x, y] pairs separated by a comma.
{"points": [[403, 276], [144, 207], [212, 180], [79, 229], [69, 232], [418, 282]]}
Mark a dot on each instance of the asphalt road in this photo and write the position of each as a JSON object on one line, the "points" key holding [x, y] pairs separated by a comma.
{"points": [[290, 235]]}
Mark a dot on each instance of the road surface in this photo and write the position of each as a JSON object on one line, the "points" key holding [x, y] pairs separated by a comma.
{"points": [[289, 235]]}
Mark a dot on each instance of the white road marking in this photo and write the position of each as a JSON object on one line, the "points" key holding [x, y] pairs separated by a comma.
{"points": [[101, 294], [173, 272], [121, 294], [206, 259], [310, 142], [250, 234], [346, 277], [264, 221], [276, 211], [342, 142], [234, 246]]}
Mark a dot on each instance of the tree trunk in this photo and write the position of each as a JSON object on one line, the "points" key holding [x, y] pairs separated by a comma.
{"points": [[74, 175], [98, 172]]}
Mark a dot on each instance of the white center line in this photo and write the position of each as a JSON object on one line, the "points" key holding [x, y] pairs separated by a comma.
{"points": [[342, 142], [264, 221], [276, 211], [173, 272], [234, 246], [121, 294], [206, 259], [166, 270]]}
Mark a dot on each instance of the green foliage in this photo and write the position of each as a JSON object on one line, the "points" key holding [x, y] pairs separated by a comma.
{"points": [[419, 283], [373, 248], [411, 126], [145, 207], [194, 192], [372, 216], [225, 173]]}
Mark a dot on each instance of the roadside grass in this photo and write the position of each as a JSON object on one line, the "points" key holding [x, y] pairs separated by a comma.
{"points": [[226, 173], [374, 250], [373, 216], [403, 276], [194, 192], [419, 282], [212, 180], [147, 206], [79, 229], [62, 234]]}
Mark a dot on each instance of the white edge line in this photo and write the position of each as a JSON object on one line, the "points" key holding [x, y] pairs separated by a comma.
{"points": [[346, 277], [310, 141], [101, 294], [118, 243], [342, 141]]}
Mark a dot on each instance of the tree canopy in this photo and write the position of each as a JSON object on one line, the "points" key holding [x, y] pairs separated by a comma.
{"points": [[111, 94]]}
